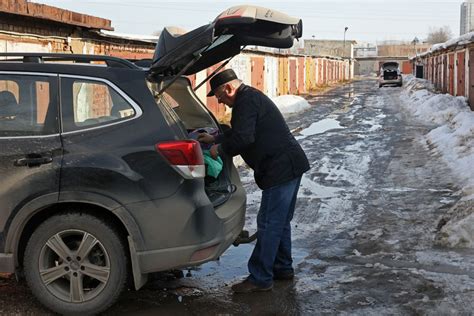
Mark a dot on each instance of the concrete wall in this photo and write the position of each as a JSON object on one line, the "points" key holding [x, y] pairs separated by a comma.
{"points": [[407, 50], [329, 48], [366, 67]]}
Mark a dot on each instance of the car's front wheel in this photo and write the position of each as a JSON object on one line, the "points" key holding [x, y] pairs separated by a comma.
{"points": [[76, 264]]}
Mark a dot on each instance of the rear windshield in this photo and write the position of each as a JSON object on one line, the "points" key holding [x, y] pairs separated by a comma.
{"points": [[163, 103], [180, 99]]}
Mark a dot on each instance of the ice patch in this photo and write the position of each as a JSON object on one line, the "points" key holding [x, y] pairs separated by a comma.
{"points": [[320, 127], [315, 190], [350, 280]]}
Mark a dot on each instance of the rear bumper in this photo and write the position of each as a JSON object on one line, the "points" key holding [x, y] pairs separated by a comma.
{"points": [[7, 263], [392, 81], [230, 222], [179, 257]]}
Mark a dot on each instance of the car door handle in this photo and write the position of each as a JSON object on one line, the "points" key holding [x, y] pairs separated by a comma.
{"points": [[33, 162]]}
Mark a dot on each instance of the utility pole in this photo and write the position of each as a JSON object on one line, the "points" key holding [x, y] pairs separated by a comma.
{"points": [[414, 42], [344, 43]]}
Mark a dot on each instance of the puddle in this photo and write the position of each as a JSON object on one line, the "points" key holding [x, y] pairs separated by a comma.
{"points": [[230, 267], [320, 127]]}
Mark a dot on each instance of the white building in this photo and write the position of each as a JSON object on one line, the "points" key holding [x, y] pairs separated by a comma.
{"points": [[467, 17]]}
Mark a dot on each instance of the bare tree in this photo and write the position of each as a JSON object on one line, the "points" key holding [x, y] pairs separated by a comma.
{"points": [[439, 34]]}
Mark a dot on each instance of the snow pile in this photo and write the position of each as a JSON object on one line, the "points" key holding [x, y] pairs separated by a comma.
{"points": [[289, 104], [458, 229], [453, 138], [411, 83]]}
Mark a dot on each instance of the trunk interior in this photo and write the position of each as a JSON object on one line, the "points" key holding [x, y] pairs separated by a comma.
{"points": [[390, 74], [193, 116]]}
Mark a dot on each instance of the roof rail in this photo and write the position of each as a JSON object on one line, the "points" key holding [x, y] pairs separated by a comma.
{"points": [[79, 58]]}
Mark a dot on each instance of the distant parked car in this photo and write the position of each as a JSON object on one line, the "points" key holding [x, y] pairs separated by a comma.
{"points": [[101, 183], [390, 74]]}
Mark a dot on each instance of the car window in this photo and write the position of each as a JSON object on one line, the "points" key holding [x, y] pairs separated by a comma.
{"points": [[28, 105], [88, 103]]}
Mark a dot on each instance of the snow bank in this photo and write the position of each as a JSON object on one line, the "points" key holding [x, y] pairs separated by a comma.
{"points": [[289, 104], [453, 137]]}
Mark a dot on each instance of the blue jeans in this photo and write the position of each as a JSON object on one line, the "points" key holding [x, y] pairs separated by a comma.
{"points": [[272, 253]]}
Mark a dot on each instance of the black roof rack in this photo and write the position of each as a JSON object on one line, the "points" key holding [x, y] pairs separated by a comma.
{"points": [[78, 58]]}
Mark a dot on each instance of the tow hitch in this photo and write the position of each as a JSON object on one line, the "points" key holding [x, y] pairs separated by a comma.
{"points": [[244, 238]]}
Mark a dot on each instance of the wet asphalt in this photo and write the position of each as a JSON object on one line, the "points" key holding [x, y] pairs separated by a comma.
{"points": [[364, 227]]}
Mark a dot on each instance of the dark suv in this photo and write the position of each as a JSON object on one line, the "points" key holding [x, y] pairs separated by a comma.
{"points": [[101, 183]]}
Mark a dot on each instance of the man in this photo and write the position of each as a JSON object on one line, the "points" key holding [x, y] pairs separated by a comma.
{"points": [[260, 135]]}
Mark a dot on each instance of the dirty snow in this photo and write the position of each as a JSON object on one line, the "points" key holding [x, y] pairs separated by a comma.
{"points": [[452, 136], [289, 104]]}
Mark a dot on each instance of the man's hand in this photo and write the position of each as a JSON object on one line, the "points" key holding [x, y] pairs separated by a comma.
{"points": [[206, 138], [213, 151]]}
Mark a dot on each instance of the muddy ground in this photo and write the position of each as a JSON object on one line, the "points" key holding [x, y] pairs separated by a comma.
{"points": [[364, 227]]}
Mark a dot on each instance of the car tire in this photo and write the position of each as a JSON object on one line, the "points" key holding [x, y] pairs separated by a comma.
{"points": [[64, 281]]}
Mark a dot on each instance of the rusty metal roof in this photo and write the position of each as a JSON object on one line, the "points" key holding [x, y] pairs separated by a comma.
{"points": [[46, 12]]}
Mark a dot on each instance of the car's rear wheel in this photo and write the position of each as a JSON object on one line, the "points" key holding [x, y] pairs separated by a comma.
{"points": [[75, 264]]}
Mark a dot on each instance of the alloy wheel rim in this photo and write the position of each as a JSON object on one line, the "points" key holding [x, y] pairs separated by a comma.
{"points": [[74, 266]]}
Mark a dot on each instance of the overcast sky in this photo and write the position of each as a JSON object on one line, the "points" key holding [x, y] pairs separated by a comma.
{"points": [[368, 20]]}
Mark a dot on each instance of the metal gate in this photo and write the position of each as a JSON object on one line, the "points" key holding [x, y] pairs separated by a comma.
{"points": [[407, 68], [445, 74], [258, 70], [461, 74], [293, 74], [471, 79], [301, 82], [451, 74], [217, 109]]}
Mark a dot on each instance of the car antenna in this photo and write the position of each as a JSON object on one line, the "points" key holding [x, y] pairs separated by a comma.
{"points": [[215, 71]]}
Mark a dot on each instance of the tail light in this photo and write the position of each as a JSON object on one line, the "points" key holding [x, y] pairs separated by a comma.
{"points": [[185, 156]]}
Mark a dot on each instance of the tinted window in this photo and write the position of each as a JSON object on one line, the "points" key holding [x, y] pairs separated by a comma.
{"points": [[28, 105], [87, 103]]}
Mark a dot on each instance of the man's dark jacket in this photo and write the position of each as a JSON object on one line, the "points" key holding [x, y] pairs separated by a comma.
{"points": [[260, 135]]}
